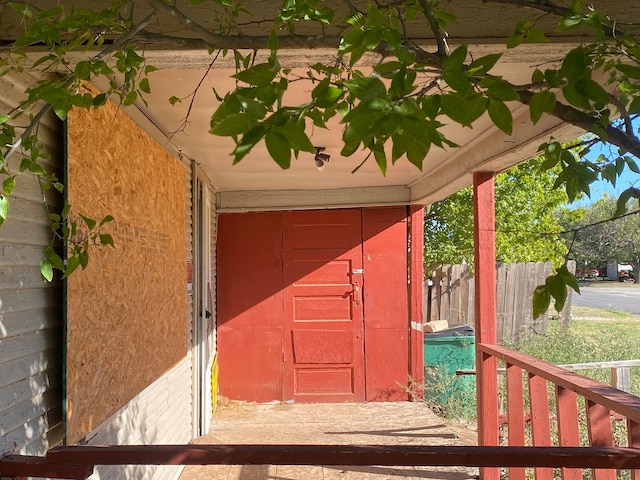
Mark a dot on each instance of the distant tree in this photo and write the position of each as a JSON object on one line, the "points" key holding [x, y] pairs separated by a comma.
{"points": [[594, 238], [526, 226]]}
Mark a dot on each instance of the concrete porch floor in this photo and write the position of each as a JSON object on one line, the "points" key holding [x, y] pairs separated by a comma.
{"points": [[401, 423]]}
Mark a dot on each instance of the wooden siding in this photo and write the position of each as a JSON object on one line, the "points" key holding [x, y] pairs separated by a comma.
{"points": [[30, 309]]}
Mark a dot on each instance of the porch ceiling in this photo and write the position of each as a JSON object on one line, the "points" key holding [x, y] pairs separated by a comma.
{"points": [[257, 183]]}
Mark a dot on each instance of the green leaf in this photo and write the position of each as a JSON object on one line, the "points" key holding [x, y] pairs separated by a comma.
{"points": [[431, 106], [632, 164], [83, 70], [482, 65], [464, 109], [279, 148], [541, 300], [457, 80], [90, 222], [536, 35], [259, 75], [273, 40], [537, 76], [381, 159], [574, 97], [541, 102], [62, 109], [498, 89], [106, 219], [173, 100], [53, 258], [631, 71], [4, 119], [514, 40], [83, 258], [456, 60], [623, 199], [144, 85], [4, 207], [247, 142], [21, 9], [9, 184], [72, 264], [130, 98], [558, 290], [574, 64], [366, 88], [501, 116], [324, 95], [297, 137], [569, 21], [593, 91], [234, 124], [46, 270], [568, 278], [106, 239]]}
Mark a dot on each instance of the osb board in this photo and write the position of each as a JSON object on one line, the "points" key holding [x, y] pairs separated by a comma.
{"points": [[126, 313]]}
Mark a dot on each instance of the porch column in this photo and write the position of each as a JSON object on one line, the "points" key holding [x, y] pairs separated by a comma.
{"points": [[485, 314], [416, 293]]}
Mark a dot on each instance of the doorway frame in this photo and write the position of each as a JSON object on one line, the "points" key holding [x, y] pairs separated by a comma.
{"points": [[202, 314]]}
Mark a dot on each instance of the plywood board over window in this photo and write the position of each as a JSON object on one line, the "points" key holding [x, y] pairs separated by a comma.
{"points": [[126, 312]]}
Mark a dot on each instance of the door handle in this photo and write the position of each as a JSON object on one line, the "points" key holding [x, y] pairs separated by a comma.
{"points": [[356, 293]]}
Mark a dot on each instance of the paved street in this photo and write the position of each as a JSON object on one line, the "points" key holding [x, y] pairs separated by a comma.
{"points": [[625, 297]]}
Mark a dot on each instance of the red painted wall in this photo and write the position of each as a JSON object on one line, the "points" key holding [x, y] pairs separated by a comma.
{"points": [[251, 305], [386, 303], [250, 316]]}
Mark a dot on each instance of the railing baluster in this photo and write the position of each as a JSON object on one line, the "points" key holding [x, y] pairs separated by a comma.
{"points": [[568, 428], [539, 399], [599, 428], [515, 415], [633, 437]]}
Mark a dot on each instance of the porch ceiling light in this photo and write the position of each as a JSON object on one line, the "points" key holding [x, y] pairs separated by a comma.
{"points": [[321, 159]]}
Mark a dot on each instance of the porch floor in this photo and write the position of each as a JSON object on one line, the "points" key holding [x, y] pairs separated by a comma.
{"points": [[401, 423]]}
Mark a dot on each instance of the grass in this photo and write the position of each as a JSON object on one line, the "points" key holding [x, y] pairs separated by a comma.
{"points": [[605, 314], [593, 335]]}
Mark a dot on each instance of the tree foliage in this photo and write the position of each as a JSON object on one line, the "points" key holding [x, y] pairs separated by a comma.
{"points": [[526, 225], [595, 239], [396, 110]]}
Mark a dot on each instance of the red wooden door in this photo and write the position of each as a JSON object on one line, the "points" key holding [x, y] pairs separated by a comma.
{"points": [[323, 319]]}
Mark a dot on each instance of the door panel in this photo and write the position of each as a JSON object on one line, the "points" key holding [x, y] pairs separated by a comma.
{"points": [[324, 350]]}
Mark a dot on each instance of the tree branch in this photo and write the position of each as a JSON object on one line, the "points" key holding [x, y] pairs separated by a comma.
{"points": [[119, 43], [239, 42], [443, 47], [615, 136], [548, 6]]}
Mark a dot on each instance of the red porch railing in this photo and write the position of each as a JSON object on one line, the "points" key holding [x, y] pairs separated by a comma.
{"points": [[533, 439], [533, 425]]}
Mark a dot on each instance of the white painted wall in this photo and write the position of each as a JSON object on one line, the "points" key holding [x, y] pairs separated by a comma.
{"points": [[160, 414]]}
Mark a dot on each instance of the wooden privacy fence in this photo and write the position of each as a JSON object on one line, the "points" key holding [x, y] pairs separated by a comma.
{"points": [[449, 295]]}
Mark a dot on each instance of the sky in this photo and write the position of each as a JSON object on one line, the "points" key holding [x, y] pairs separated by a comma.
{"points": [[599, 188]]}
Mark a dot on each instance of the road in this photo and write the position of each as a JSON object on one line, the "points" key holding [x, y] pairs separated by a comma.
{"points": [[625, 297]]}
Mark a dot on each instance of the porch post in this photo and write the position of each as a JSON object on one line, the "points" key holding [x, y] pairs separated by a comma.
{"points": [[416, 293], [485, 314]]}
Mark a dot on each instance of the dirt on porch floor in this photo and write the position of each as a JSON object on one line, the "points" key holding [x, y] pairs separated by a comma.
{"points": [[401, 423]]}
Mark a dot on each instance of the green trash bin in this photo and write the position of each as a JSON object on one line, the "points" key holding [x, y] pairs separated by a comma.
{"points": [[445, 352]]}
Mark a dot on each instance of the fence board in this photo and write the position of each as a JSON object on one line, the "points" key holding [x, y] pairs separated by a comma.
{"points": [[451, 296]]}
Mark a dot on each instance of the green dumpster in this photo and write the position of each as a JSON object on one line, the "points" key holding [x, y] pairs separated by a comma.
{"points": [[445, 352]]}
